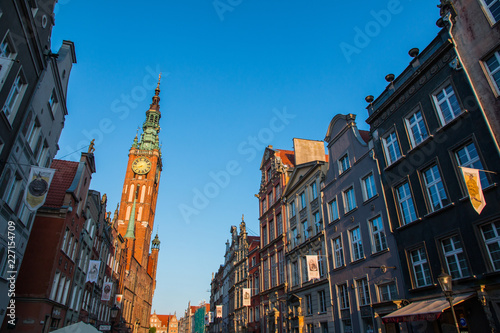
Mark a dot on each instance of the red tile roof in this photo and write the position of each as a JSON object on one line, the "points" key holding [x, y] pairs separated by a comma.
{"points": [[62, 180], [365, 135], [287, 156], [165, 319]]}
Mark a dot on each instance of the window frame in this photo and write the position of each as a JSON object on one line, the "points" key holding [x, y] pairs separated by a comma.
{"points": [[490, 74], [421, 264], [409, 196], [343, 296], [387, 285], [373, 234], [330, 210], [12, 103], [364, 187], [394, 143], [338, 253], [409, 127], [343, 167], [443, 202], [471, 163], [356, 242], [345, 196], [488, 13], [487, 242], [455, 254], [437, 103], [363, 291]]}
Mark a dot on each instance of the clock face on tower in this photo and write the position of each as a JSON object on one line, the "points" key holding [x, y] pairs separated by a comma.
{"points": [[141, 165]]}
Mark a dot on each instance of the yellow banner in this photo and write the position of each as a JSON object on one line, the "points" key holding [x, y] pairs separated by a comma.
{"points": [[473, 184]]}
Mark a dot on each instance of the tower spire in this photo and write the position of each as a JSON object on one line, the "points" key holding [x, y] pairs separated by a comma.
{"points": [[151, 127]]}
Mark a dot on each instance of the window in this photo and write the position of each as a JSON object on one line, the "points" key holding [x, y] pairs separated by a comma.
{"points": [[264, 206], [416, 128], [55, 283], [320, 263], [295, 274], [14, 98], [368, 186], [7, 55], [265, 270], [314, 190], [406, 207], [379, 242], [356, 244], [455, 257], [344, 164], [271, 230], [277, 191], [467, 157], [7, 49], [387, 292], [491, 236], [333, 210], [420, 265], [349, 200], [257, 313], [363, 292], [268, 174], [281, 267], [273, 271], [322, 301], [65, 240], [343, 292], [493, 64], [492, 9], [53, 102], [324, 327], [294, 237], [304, 229], [317, 223], [305, 277], [303, 200], [338, 252], [279, 224], [435, 189], [292, 209], [310, 328], [391, 148], [264, 235], [447, 104]]}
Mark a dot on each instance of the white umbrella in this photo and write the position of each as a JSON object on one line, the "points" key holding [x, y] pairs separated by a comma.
{"points": [[79, 327]]}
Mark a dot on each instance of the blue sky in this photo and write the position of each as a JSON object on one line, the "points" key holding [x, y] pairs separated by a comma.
{"points": [[237, 75]]}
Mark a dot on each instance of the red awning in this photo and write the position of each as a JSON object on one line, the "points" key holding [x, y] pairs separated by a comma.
{"points": [[430, 309]]}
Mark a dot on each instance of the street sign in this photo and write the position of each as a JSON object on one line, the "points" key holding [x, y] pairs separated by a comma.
{"points": [[105, 328]]}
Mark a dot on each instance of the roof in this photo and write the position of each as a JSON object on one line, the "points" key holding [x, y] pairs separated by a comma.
{"points": [[287, 156], [165, 319], [365, 135], [62, 180]]}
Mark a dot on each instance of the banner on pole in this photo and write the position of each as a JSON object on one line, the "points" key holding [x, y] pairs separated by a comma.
{"points": [[247, 292], [312, 267], [37, 187], [218, 311], [106, 291], [473, 183], [93, 271]]}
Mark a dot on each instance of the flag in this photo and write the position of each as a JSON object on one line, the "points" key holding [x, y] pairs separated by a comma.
{"points": [[218, 310], [312, 267], [473, 184], [106, 291], [118, 300], [246, 296], [93, 271], [37, 187]]}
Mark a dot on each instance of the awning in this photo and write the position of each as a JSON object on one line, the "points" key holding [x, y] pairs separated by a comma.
{"points": [[430, 309]]}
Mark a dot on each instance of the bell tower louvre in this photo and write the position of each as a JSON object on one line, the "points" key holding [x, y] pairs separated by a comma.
{"points": [[136, 219]]}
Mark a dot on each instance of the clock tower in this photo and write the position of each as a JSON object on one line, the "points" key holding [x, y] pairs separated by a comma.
{"points": [[136, 218]]}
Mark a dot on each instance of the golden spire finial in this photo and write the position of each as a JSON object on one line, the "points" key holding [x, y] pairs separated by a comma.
{"points": [[159, 79]]}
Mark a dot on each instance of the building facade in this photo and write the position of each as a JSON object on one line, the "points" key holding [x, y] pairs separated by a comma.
{"points": [[254, 284], [426, 125], [308, 297], [364, 278], [276, 168], [33, 86], [136, 219], [477, 49], [44, 283], [164, 323]]}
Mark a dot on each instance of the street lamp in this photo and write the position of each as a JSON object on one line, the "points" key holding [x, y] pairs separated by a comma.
{"points": [[114, 314], [445, 283]]}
